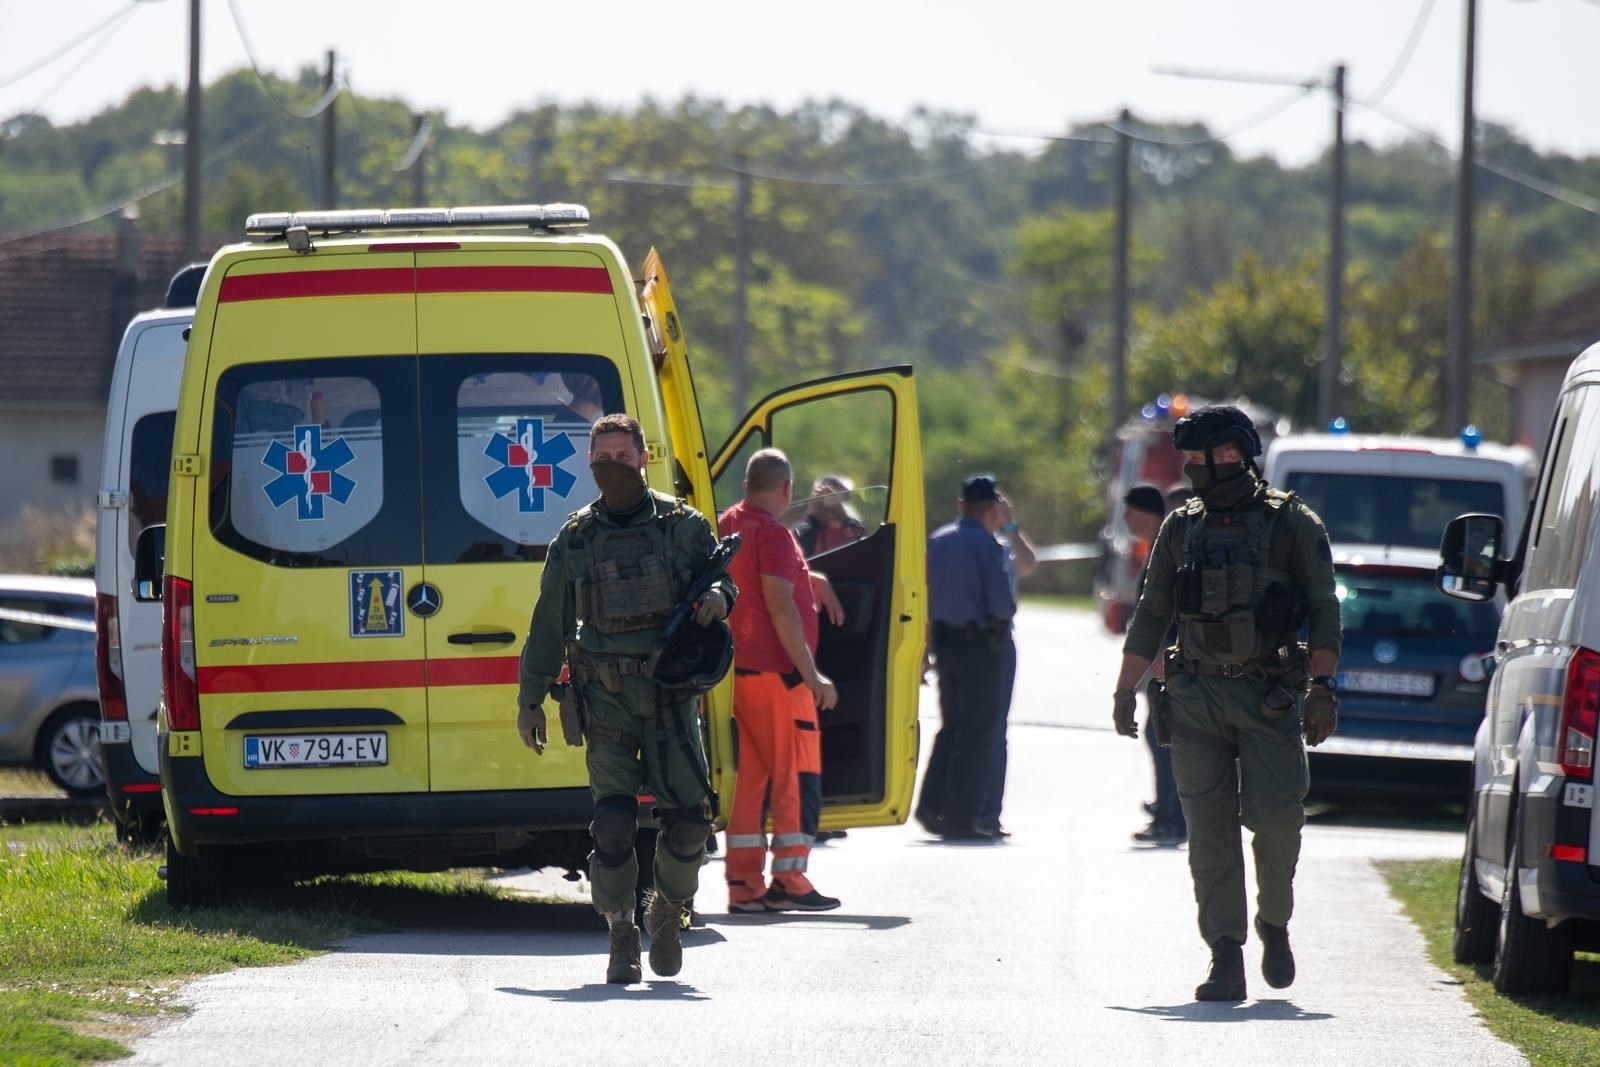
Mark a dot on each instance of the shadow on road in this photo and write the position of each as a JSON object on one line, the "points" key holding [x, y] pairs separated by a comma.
{"points": [[1247, 1011], [600, 991], [1447, 818], [820, 918]]}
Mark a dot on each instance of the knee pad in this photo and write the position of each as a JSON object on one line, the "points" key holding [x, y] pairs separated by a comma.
{"points": [[684, 833], [615, 829]]}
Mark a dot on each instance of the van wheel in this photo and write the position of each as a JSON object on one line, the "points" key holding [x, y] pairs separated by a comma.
{"points": [[1477, 919], [69, 751], [1530, 957], [198, 881]]}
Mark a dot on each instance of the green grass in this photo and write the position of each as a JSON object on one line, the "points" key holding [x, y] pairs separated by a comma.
{"points": [[1550, 1031], [1075, 601], [24, 782], [92, 950]]}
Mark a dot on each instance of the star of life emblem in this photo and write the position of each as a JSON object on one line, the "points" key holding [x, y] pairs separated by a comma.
{"points": [[309, 474], [530, 465]]}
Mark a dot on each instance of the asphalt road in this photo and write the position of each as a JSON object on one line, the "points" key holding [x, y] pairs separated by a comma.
{"points": [[1068, 945]]}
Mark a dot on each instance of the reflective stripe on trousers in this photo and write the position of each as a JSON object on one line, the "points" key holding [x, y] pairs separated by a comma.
{"points": [[766, 712]]}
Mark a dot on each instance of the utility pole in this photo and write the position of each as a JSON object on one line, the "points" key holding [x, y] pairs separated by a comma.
{"points": [[1328, 399], [191, 146], [741, 285], [1458, 407], [419, 166], [330, 188], [1119, 284]]}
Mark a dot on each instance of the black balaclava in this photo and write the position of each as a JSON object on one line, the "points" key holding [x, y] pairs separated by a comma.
{"points": [[1222, 485], [622, 486]]}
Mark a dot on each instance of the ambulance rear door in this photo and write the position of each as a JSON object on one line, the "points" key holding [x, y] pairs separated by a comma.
{"points": [[858, 430], [520, 350]]}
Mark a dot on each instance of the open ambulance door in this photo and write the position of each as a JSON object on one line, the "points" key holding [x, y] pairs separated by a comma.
{"points": [[688, 466], [856, 452]]}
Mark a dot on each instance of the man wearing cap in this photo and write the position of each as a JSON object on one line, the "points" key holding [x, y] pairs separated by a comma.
{"points": [[971, 603], [1143, 509], [1240, 567]]}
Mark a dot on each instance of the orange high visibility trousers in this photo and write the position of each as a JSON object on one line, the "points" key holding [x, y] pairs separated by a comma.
{"points": [[772, 753]]}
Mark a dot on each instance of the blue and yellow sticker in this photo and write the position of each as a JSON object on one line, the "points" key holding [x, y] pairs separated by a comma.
{"points": [[375, 604]]}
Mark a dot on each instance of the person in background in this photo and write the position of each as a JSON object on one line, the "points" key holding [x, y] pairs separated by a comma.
{"points": [[830, 519], [776, 688], [1143, 510], [1021, 561], [971, 606]]}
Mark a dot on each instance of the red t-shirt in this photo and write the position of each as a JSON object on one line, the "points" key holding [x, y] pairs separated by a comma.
{"points": [[768, 548]]}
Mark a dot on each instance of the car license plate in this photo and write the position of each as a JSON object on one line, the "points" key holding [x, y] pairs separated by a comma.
{"points": [[1390, 683], [316, 750]]}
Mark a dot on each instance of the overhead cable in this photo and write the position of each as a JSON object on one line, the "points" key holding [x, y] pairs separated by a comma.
{"points": [[418, 144], [45, 61], [1407, 50], [323, 103], [112, 30], [1264, 115]]}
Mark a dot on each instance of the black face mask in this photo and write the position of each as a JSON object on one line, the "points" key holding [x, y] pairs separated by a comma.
{"points": [[621, 486], [1232, 484]]}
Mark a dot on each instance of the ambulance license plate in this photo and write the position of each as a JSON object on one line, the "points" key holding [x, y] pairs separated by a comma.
{"points": [[1393, 683], [316, 750]]}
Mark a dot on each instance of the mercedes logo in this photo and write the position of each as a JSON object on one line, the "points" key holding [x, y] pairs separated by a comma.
{"points": [[424, 600]]}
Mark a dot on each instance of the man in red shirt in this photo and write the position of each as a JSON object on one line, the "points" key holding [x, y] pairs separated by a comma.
{"points": [[776, 684]]}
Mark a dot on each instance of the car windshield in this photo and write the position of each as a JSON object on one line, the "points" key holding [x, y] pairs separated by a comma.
{"points": [[1388, 602], [1391, 509]]}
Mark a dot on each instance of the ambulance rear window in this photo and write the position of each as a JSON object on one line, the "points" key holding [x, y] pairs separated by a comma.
{"points": [[149, 468], [301, 473], [1372, 509]]}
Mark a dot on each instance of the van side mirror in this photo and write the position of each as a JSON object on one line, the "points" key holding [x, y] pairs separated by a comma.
{"points": [[1470, 567], [149, 563]]}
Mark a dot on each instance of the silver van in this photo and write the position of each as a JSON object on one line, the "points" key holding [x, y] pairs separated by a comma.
{"points": [[1529, 889]]}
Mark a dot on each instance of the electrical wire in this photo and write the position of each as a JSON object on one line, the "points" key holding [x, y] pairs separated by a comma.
{"points": [[1407, 50], [322, 104], [1264, 115], [418, 144], [845, 182], [40, 64], [111, 32]]}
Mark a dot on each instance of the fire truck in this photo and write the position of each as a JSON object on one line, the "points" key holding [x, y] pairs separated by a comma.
{"points": [[1143, 454]]}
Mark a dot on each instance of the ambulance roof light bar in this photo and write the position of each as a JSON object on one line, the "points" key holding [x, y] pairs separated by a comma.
{"points": [[534, 216]]}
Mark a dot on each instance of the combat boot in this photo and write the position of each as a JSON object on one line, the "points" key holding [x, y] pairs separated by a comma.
{"points": [[663, 921], [624, 966], [1226, 980], [1277, 959]]}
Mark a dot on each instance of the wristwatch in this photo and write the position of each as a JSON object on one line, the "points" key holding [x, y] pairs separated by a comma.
{"points": [[1010, 528], [1327, 681]]}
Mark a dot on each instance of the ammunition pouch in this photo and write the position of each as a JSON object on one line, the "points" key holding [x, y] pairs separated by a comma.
{"points": [[571, 705], [1160, 722], [606, 669], [1282, 609]]}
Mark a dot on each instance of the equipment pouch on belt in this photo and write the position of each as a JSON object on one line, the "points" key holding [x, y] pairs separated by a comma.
{"points": [[1160, 723], [572, 726]]}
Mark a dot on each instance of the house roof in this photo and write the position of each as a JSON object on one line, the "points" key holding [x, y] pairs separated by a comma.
{"points": [[58, 300], [1560, 331]]}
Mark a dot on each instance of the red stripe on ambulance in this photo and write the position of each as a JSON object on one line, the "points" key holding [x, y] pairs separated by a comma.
{"points": [[513, 280], [383, 674], [363, 281]]}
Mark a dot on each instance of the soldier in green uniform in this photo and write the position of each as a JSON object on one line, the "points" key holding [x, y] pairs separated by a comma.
{"points": [[1241, 567], [612, 577]]}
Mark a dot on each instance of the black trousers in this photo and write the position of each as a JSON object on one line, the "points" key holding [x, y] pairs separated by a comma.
{"points": [[972, 702]]}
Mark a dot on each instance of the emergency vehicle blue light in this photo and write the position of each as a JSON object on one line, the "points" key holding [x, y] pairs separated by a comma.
{"points": [[1471, 436], [1163, 404], [1339, 425], [1148, 411]]}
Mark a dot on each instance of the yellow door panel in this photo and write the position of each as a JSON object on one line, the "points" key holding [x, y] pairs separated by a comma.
{"points": [[855, 447], [669, 349]]}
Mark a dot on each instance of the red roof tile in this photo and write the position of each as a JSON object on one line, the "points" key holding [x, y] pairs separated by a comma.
{"points": [[1560, 331]]}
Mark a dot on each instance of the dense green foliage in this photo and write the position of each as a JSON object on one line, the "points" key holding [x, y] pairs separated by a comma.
{"points": [[874, 242]]}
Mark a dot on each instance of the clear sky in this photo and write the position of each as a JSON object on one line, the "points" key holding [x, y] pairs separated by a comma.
{"points": [[1025, 65]]}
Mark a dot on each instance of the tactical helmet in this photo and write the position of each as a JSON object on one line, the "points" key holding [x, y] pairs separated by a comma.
{"points": [[697, 658], [1203, 430]]}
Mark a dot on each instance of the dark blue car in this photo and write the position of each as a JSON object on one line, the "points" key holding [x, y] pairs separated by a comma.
{"points": [[1411, 680]]}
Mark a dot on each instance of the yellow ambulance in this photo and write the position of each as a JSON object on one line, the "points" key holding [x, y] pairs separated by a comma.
{"points": [[383, 420]]}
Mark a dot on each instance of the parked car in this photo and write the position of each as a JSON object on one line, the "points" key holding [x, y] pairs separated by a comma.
{"points": [[1411, 679], [49, 714], [1529, 888]]}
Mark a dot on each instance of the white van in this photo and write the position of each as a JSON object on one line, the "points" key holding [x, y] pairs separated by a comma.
{"points": [[133, 495], [1529, 890], [1377, 490]]}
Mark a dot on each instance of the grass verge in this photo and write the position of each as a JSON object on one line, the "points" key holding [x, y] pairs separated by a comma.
{"points": [[1550, 1031], [24, 782], [1075, 601], [92, 951]]}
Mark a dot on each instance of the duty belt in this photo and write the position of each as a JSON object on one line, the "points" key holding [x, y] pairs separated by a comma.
{"points": [[608, 668], [1254, 671]]}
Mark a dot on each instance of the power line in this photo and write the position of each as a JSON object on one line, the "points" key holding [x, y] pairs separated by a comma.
{"points": [[1264, 115], [323, 103], [111, 32], [843, 181], [418, 144], [40, 64], [1406, 52]]}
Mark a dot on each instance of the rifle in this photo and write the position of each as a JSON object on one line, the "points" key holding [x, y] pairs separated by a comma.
{"points": [[716, 567]]}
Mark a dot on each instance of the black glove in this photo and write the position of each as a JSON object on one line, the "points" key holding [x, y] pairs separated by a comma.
{"points": [[1320, 716], [1123, 707]]}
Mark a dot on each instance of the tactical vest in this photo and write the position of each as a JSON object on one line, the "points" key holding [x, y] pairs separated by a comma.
{"points": [[1234, 594], [625, 581]]}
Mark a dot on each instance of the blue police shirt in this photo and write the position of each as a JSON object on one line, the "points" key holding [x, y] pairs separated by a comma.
{"points": [[967, 579]]}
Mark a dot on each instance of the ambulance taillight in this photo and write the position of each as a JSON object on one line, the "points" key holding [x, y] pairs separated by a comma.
{"points": [[179, 689], [108, 659]]}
